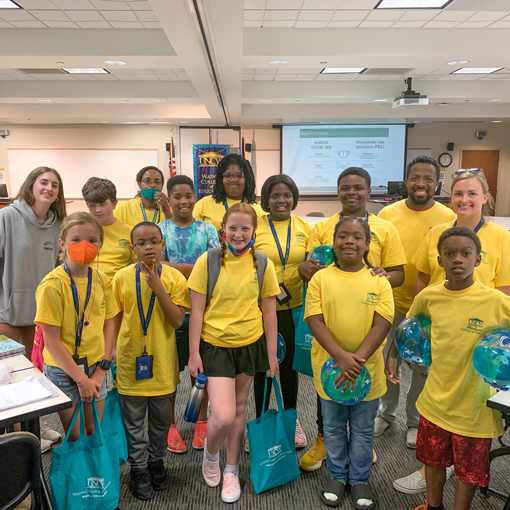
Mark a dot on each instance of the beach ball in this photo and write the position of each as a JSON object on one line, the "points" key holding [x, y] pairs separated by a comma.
{"points": [[281, 348], [324, 253], [492, 358], [413, 340], [349, 397]]}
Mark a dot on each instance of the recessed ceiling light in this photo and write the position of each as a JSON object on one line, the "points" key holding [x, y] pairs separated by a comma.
{"points": [[412, 4], [380, 100], [279, 62], [44, 100], [86, 71], [8, 4], [457, 62], [265, 100], [160, 100], [477, 70], [343, 70], [496, 121], [494, 100], [115, 62]]}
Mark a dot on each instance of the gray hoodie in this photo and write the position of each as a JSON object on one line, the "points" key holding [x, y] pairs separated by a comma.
{"points": [[28, 252]]}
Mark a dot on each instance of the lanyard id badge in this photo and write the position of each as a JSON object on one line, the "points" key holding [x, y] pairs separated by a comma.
{"points": [[144, 363], [155, 218], [284, 296]]}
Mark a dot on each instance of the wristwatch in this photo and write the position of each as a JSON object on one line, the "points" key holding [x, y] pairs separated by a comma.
{"points": [[105, 364]]}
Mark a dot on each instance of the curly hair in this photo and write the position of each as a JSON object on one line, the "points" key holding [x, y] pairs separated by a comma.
{"points": [[243, 209], [354, 170], [424, 159], [460, 232], [366, 229], [219, 195]]}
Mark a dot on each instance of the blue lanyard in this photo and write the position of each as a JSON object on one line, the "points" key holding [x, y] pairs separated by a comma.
{"points": [[365, 219], [277, 241], [144, 320], [79, 327], [475, 230], [226, 204], [155, 218]]}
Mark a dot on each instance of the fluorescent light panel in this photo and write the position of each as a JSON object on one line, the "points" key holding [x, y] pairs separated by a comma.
{"points": [[477, 70], [343, 70], [8, 4], [413, 4], [86, 71]]}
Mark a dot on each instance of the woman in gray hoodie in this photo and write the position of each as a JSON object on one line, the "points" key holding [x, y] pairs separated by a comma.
{"points": [[28, 250]]}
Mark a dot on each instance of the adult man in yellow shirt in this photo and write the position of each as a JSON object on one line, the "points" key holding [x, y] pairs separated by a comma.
{"points": [[413, 218]]}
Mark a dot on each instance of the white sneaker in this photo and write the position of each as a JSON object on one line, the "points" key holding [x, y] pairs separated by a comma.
{"points": [[231, 490], [49, 434], [380, 425], [300, 438], [45, 445], [211, 470], [415, 483]]}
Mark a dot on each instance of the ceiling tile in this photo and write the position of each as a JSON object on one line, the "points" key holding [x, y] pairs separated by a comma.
{"points": [[282, 70], [280, 15], [454, 15], [285, 77], [169, 78], [24, 77], [474, 24], [105, 5], [66, 77], [449, 77], [305, 77], [506, 18], [141, 71], [500, 24], [105, 77], [279, 24], [255, 4], [252, 24], [408, 24], [152, 24], [4, 24], [16, 15], [253, 15], [49, 15], [146, 16], [73, 4], [119, 15], [343, 24], [376, 24], [4, 77], [85, 77], [140, 6], [368, 77], [342, 77], [321, 4], [488, 15], [147, 77], [126, 24], [326, 77], [61, 24], [311, 24], [350, 15], [93, 24], [441, 24], [264, 78], [418, 15], [28, 24], [358, 4], [385, 15], [36, 4], [284, 4], [267, 72], [44, 77], [84, 15], [315, 15]]}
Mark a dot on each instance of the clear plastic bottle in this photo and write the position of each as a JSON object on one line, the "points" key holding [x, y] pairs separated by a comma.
{"points": [[195, 399]]}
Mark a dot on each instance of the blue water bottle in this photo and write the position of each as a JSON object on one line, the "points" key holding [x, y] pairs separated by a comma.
{"points": [[195, 399]]}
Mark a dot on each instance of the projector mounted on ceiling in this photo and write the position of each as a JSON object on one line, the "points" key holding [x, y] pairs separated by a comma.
{"points": [[410, 98]]}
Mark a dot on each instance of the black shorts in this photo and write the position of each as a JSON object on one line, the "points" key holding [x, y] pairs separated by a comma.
{"points": [[231, 361], [182, 341]]}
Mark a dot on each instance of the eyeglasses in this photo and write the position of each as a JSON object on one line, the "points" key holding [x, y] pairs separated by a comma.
{"points": [[155, 182], [460, 171], [233, 177], [143, 244]]}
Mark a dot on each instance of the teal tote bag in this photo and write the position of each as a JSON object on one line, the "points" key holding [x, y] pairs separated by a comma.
{"points": [[303, 344], [272, 448], [84, 475]]}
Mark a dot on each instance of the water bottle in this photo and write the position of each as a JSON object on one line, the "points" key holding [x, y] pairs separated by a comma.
{"points": [[195, 399]]}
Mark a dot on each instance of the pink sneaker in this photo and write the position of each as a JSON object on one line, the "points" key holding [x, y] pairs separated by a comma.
{"points": [[231, 490], [300, 438], [211, 470]]}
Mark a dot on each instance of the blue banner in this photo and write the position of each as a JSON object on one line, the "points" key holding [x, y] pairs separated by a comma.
{"points": [[205, 164]]}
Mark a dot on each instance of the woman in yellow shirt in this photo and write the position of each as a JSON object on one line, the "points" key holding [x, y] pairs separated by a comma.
{"points": [[283, 237], [150, 204], [235, 183], [227, 340]]}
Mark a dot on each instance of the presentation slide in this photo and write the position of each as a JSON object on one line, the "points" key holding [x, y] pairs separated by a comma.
{"points": [[315, 156]]}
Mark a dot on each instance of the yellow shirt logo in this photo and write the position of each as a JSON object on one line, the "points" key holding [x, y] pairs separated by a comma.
{"points": [[371, 299], [484, 257], [300, 239], [474, 326], [123, 243], [373, 237]]}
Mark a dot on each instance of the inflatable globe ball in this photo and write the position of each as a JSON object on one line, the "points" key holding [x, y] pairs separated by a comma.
{"points": [[281, 348], [349, 397], [413, 340], [324, 253], [492, 358]]}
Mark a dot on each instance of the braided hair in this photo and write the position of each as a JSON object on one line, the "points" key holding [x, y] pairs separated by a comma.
{"points": [[219, 194], [366, 229], [243, 209]]}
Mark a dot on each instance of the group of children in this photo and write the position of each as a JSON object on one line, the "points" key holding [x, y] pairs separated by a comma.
{"points": [[153, 298]]}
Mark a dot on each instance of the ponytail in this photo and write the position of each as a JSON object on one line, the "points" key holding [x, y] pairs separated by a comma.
{"points": [[223, 251], [255, 261]]}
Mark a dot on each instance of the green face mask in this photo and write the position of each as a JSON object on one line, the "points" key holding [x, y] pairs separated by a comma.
{"points": [[149, 194]]}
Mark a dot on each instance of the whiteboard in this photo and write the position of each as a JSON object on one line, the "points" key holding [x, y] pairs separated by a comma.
{"points": [[75, 166]]}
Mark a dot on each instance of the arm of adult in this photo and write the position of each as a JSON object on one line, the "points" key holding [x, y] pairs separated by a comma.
{"points": [[110, 344], [422, 281], [391, 365], [196, 322], [308, 268], [505, 289], [268, 308], [395, 275]]}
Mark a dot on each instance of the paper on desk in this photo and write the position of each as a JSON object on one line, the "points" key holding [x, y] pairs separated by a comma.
{"points": [[5, 374], [21, 393]]}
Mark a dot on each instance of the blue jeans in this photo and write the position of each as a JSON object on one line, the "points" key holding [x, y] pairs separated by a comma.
{"points": [[349, 456]]}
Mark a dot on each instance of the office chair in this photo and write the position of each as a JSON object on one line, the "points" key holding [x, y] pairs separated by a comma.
{"points": [[316, 214], [20, 469]]}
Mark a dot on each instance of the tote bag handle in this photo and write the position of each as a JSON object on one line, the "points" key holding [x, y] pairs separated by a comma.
{"points": [[97, 425], [278, 396]]}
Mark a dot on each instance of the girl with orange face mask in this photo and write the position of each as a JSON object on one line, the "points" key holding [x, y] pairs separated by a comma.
{"points": [[75, 309]]}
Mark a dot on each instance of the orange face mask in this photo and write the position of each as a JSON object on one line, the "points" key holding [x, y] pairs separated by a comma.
{"points": [[82, 252]]}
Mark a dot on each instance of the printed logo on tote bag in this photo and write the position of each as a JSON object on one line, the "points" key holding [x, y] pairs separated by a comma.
{"points": [[96, 488], [275, 455]]}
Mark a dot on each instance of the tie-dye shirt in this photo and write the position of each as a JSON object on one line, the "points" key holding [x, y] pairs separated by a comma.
{"points": [[185, 244]]}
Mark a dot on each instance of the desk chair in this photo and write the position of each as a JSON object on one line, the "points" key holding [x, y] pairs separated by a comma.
{"points": [[316, 214], [20, 461]]}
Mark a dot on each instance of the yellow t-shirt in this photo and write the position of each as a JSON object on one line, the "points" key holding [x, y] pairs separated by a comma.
{"points": [[454, 396], [160, 335], [55, 306], [233, 317], [300, 233], [348, 302], [130, 212], [494, 271], [412, 227], [115, 253], [385, 247], [206, 209]]}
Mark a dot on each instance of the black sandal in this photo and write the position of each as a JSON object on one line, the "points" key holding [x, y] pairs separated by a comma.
{"points": [[335, 487], [362, 491]]}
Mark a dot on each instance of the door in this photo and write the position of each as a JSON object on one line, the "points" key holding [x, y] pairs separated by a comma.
{"points": [[488, 161]]}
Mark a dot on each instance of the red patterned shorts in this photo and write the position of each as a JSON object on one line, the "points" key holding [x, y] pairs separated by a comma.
{"points": [[437, 447]]}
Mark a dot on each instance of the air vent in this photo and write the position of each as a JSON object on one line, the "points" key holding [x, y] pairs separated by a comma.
{"points": [[395, 71], [41, 71]]}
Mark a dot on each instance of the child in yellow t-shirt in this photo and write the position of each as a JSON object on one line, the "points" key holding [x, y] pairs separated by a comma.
{"points": [[456, 426], [75, 309], [227, 341], [153, 299], [349, 313], [100, 195]]}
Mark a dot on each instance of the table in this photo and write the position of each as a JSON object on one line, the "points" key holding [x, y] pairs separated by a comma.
{"points": [[29, 414], [501, 402]]}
